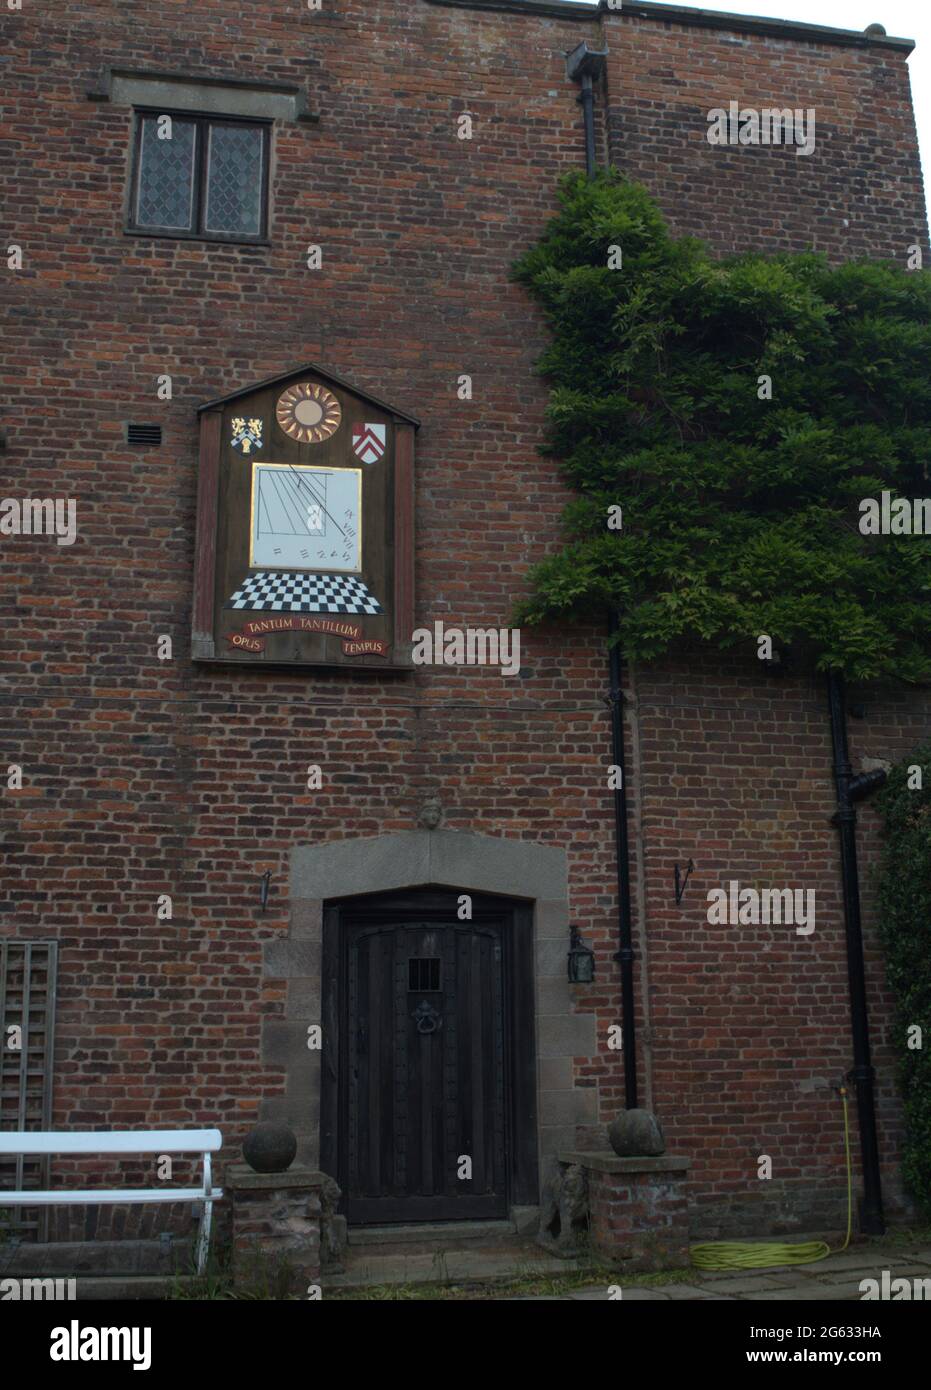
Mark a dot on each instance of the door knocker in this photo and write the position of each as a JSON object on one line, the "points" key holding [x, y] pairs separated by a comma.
{"points": [[426, 1018]]}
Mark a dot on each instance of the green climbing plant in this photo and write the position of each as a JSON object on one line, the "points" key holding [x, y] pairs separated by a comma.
{"points": [[737, 412], [904, 891]]}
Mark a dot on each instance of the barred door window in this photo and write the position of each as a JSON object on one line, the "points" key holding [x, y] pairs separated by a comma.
{"points": [[200, 176]]}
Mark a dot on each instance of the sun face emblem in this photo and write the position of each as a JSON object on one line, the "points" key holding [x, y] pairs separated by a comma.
{"points": [[308, 412]]}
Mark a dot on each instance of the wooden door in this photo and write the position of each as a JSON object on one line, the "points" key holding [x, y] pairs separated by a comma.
{"points": [[425, 1072], [428, 1058]]}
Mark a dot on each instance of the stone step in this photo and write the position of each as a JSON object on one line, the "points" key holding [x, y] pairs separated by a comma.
{"points": [[140, 1288], [388, 1265], [435, 1232], [103, 1288], [116, 1257]]}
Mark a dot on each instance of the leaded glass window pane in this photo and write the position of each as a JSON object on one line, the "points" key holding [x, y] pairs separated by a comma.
{"points": [[234, 180], [166, 175]]}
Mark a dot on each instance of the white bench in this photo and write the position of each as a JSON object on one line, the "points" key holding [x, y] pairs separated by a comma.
{"points": [[143, 1141]]}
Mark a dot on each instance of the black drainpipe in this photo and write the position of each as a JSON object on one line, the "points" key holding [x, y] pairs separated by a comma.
{"points": [[625, 954], [584, 65], [851, 789]]}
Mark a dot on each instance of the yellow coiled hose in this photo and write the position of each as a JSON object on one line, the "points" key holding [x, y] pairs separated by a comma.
{"points": [[721, 1255]]}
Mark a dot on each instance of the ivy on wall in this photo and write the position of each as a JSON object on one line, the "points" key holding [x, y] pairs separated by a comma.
{"points": [[737, 413], [904, 888]]}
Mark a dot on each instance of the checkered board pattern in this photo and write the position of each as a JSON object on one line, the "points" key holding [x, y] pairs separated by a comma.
{"points": [[280, 591]]}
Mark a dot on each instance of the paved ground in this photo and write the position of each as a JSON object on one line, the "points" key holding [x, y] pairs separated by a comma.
{"points": [[837, 1277], [378, 1259]]}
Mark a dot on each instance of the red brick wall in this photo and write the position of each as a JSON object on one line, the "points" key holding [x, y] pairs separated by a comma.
{"points": [[145, 777], [641, 1219], [750, 1024], [858, 194]]}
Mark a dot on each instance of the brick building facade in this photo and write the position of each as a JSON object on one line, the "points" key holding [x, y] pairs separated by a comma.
{"points": [[144, 776]]}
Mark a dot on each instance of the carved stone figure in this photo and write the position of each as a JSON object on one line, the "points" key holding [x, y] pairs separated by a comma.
{"points": [[564, 1210], [333, 1234], [431, 813]]}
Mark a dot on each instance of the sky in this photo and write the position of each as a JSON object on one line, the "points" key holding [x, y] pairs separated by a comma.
{"points": [[903, 19]]}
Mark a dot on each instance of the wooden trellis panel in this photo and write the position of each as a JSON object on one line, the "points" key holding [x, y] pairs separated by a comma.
{"points": [[28, 973]]}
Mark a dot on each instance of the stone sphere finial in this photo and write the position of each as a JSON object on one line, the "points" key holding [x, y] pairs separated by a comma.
{"points": [[635, 1134], [269, 1147]]}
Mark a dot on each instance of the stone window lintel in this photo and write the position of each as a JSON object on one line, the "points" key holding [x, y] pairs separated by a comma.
{"points": [[227, 96]]}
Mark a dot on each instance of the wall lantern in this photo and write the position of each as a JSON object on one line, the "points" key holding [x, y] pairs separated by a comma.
{"points": [[581, 960]]}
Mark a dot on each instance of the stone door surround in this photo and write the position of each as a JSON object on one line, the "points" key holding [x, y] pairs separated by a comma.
{"points": [[419, 858]]}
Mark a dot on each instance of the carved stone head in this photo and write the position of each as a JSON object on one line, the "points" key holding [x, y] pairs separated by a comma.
{"points": [[431, 813]]}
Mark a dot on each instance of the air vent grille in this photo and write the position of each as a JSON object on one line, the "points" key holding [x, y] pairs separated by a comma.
{"points": [[144, 436]]}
